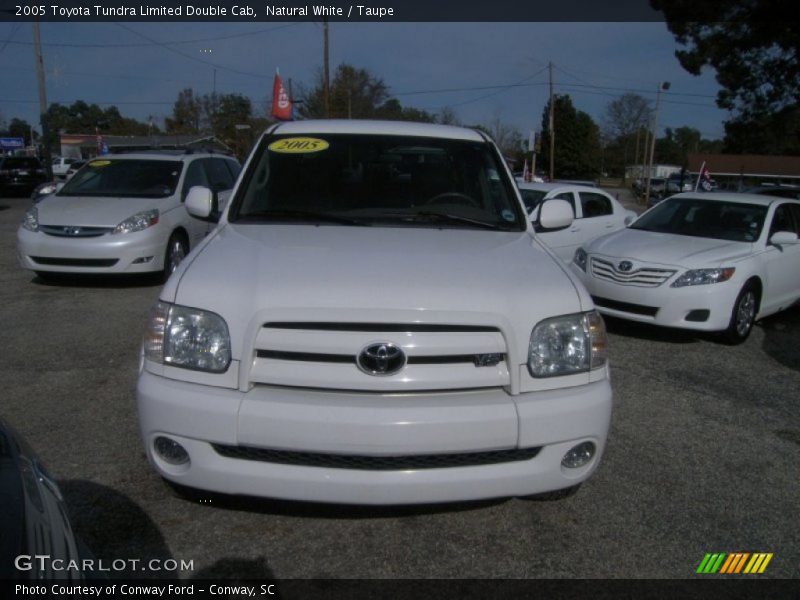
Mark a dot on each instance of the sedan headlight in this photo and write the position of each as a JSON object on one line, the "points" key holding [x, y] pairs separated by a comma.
{"points": [[703, 277], [187, 337], [568, 344], [138, 222], [31, 219], [580, 259]]}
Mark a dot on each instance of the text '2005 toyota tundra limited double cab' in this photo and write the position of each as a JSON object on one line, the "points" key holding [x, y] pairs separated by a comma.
{"points": [[373, 321]]}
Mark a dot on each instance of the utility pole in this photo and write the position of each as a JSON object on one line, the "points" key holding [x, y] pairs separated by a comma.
{"points": [[37, 48], [326, 77], [661, 87], [551, 125]]}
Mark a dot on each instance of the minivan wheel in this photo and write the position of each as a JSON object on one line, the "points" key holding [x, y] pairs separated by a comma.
{"points": [[177, 249], [743, 315]]}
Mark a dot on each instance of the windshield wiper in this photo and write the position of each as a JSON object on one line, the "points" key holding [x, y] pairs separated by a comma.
{"points": [[427, 216], [300, 215]]}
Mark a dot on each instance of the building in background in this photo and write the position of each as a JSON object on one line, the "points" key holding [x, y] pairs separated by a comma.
{"points": [[738, 172], [85, 145]]}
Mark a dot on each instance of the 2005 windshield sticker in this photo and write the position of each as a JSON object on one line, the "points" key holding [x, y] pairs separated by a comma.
{"points": [[298, 145]]}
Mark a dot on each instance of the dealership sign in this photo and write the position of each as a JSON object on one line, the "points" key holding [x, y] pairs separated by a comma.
{"points": [[11, 143]]}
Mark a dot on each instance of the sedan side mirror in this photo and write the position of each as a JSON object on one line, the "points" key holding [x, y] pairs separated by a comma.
{"points": [[200, 202], [784, 238], [555, 214]]}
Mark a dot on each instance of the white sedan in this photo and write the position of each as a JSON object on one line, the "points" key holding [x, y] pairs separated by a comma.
{"points": [[596, 213], [710, 262]]}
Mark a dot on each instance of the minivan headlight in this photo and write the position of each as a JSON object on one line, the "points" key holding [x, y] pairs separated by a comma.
{"points": [[187, 337], [568, 344], [31, 219], [138, 222]]}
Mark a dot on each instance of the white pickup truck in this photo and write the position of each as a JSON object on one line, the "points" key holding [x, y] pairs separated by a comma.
{"points": [[374, 321]]}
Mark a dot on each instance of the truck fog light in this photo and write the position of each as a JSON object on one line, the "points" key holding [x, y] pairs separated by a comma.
{"points": [[171, 451], [142, 260], [578, 455]]}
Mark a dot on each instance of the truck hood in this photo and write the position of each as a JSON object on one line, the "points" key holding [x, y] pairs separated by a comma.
{"points": [[668, 249], [91, 211], [252, 273]]}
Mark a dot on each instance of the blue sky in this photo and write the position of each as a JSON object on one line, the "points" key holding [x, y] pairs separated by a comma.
{"points": [[594, 63]]}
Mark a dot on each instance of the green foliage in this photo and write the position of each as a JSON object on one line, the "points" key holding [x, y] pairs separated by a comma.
{"points": [[577, 147], [357, 94], [754, 47], [80, 117]]}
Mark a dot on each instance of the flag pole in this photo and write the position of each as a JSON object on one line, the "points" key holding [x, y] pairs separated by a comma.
{"points": [[699, 175]]}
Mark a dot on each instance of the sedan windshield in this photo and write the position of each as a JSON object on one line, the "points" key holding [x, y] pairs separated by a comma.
{"points": [[733, 221], [127, 178], [532, 199], [383, 180]]}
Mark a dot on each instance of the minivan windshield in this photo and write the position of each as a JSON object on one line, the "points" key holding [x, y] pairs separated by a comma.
{"points": [[696, 217], [129, 178], [385, 180]]}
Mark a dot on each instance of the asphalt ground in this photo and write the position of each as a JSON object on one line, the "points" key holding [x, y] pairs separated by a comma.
{"points": [[702, 457]]}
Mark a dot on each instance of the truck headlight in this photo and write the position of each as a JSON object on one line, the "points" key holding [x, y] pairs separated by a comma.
{"points": [[703, 277], [568, 344], [580, 259], [138, 222], [187, 337], [31, 219]]}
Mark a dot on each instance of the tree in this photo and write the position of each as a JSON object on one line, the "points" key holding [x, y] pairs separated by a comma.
{"points": [[185, 114], [357, 94], [754, 47], [80, 117], [624, 118], [577, 141], [507, 138], [448, 116]]}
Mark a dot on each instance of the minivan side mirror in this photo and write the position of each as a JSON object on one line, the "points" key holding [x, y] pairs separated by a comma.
{"points": [[200, 202], [555, 214]]}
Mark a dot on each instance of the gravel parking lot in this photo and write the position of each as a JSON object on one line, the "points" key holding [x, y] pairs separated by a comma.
{"points": [[702, 457]]}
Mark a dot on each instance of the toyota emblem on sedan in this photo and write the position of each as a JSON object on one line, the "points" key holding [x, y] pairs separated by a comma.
{"points": [[72, 230], [382, 358], [625, 266]]}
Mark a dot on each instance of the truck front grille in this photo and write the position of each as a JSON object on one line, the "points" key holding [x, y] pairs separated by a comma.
{"points": [[376, 463]]}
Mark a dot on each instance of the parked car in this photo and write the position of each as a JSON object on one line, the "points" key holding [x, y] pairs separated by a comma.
{"points": [[674, 184], [19, 175], [38, 542], [374, 321], [710, 262], [596, 213], [123, 214], [781, 191], [73, 168], [61, 165]]}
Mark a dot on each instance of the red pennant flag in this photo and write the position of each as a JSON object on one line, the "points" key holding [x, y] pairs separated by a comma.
{"points": [[281, 103]]}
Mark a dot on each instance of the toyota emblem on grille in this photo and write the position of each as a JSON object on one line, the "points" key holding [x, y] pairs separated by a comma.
{"points": [[382, 358], [72, 230], [625, 266]]}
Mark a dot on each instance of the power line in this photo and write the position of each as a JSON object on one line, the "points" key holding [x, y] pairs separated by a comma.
{"points": [[154, 43], [13, 33]]}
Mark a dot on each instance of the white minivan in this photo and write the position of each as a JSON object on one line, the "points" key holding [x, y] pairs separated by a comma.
{"points": [[123, 214], [374, 321]]}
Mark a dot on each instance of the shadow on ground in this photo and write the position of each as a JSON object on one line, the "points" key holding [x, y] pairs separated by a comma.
{"points": [[97, 281]]}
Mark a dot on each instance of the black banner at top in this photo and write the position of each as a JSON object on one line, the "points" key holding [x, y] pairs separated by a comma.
{"points": [[340, 10]]}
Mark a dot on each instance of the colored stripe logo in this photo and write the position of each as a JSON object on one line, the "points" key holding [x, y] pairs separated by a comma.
{"points": [[734, 563]]}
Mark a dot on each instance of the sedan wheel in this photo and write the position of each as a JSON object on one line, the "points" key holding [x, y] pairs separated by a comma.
{"points": [[743, 316]]}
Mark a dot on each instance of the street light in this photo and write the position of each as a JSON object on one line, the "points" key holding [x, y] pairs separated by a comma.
{"points": [[662, 87]]}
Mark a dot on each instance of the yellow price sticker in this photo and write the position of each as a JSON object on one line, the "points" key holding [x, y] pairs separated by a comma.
{"points": [[298, 145], [99, 163]]}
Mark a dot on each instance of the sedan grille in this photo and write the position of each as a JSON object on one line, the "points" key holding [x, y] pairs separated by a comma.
{"points": [[75, 262], [376, 463], [642, 277]]}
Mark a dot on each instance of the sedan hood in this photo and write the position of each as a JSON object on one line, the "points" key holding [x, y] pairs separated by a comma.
{"points": [[668, 249], [378, 274], [91, 211]]}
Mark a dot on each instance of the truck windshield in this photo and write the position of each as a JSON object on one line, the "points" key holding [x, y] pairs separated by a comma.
{"points": [[384, 180]]}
